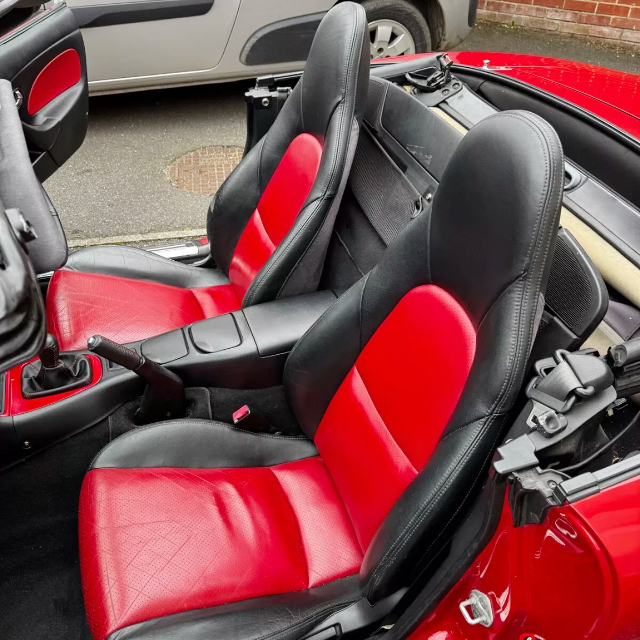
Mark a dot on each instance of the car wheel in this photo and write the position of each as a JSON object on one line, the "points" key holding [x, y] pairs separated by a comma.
{"points": [[396, 28]]}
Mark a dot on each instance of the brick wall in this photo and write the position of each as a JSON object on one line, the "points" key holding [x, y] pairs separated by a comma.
{"points": [[613, 21]]}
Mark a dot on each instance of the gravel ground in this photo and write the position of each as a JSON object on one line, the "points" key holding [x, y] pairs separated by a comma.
{"points": [[117, 186]]}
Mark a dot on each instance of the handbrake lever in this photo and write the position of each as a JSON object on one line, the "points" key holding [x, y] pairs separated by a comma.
{"points": [[164, 396]]}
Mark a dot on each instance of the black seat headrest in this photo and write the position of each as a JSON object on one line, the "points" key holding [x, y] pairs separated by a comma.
{"points": [[337, 67], [503, 182]]}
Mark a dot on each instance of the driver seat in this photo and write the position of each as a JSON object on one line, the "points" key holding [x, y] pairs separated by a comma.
{"points": [[268, 225], [194, 529]]}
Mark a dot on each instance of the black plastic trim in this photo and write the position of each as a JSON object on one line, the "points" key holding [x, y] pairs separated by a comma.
{"points": [[583, 114], [618, 222], [166, 347], [43, 427], [276, 326], [283, 41], [215, 334], [587, 484], [245, 349], [104, 15]]}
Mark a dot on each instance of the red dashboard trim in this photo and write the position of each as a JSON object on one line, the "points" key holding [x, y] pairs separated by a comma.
{"points": [[16, 404]]}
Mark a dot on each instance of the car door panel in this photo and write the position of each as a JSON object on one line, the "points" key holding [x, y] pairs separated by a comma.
{"points": [[45, 62], [131, 43], [104, 15]]}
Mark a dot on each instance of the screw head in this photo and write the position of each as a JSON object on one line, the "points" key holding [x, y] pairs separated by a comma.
{"points": [[26, 445], [265, 102]]}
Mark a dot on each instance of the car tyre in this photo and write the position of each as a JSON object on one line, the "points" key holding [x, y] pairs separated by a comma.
{"points": [[408, 28]]}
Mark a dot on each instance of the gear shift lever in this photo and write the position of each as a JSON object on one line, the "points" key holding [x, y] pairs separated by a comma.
{"points": [[164, 396], [50, 354], [56, 373]]}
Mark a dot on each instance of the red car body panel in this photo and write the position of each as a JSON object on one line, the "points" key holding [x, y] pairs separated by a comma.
{"points": [[574, 577], [612, 95]]}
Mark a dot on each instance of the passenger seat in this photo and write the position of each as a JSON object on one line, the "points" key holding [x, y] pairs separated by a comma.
{"points": [[269, 224]]}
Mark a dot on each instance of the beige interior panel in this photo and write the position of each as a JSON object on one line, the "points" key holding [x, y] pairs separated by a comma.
{"points": [[449, 120], [602, 338], [617, 271]]}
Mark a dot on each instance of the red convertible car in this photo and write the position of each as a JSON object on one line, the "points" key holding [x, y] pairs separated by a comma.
{"points": [[392, 395]]}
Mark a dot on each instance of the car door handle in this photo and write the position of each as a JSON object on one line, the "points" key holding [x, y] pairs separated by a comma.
{"points": [[43, 134]]}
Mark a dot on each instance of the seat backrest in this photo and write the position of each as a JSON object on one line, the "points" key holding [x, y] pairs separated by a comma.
{"points": [[270, 223], [408, 381]]}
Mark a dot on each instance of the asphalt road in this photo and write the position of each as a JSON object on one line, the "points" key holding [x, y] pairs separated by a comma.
{"points": [[116, 185], [496, 37]]}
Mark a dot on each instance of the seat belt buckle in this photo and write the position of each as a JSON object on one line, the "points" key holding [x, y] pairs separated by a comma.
{"points": [[245, 419]]}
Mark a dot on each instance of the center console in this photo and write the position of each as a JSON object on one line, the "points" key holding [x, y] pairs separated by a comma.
{"points": [[245, 349]]}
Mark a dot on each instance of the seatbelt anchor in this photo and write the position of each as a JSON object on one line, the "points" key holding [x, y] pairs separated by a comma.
{"points": [[566, 376], [245, 419]]}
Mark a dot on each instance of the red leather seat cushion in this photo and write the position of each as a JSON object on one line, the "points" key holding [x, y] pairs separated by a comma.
{"points": [[80, 305], [163, 540]]}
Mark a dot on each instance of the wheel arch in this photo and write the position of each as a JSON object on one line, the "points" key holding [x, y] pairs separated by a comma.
{"points": [[433, 14]]}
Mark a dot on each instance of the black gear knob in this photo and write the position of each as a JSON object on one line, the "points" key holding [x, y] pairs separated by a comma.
{"points": [[50, 354]]}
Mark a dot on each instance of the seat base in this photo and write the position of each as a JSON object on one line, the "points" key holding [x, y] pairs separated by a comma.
{"points": [[156, 540], [127, 294]]}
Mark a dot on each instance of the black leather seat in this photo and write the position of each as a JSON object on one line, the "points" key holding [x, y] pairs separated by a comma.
{"points": [[196, 529], [269, 224]]}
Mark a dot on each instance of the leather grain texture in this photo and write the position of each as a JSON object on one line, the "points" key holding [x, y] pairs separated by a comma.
{"points": [[129, 262], [200, 444], [286, 616], [277, 209], [394, 404], [80, 305], [155, 542]]}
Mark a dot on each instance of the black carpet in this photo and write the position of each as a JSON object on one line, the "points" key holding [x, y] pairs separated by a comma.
{"points": [[270, 403], [40, 594]]}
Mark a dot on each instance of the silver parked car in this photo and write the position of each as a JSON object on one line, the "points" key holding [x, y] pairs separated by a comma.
{"points": [[158, 43]]}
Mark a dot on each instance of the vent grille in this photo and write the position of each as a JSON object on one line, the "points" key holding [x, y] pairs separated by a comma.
{"points": [[569, 292]]}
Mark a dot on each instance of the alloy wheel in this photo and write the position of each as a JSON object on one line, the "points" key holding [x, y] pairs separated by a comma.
{"points": [[390, 38]]}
